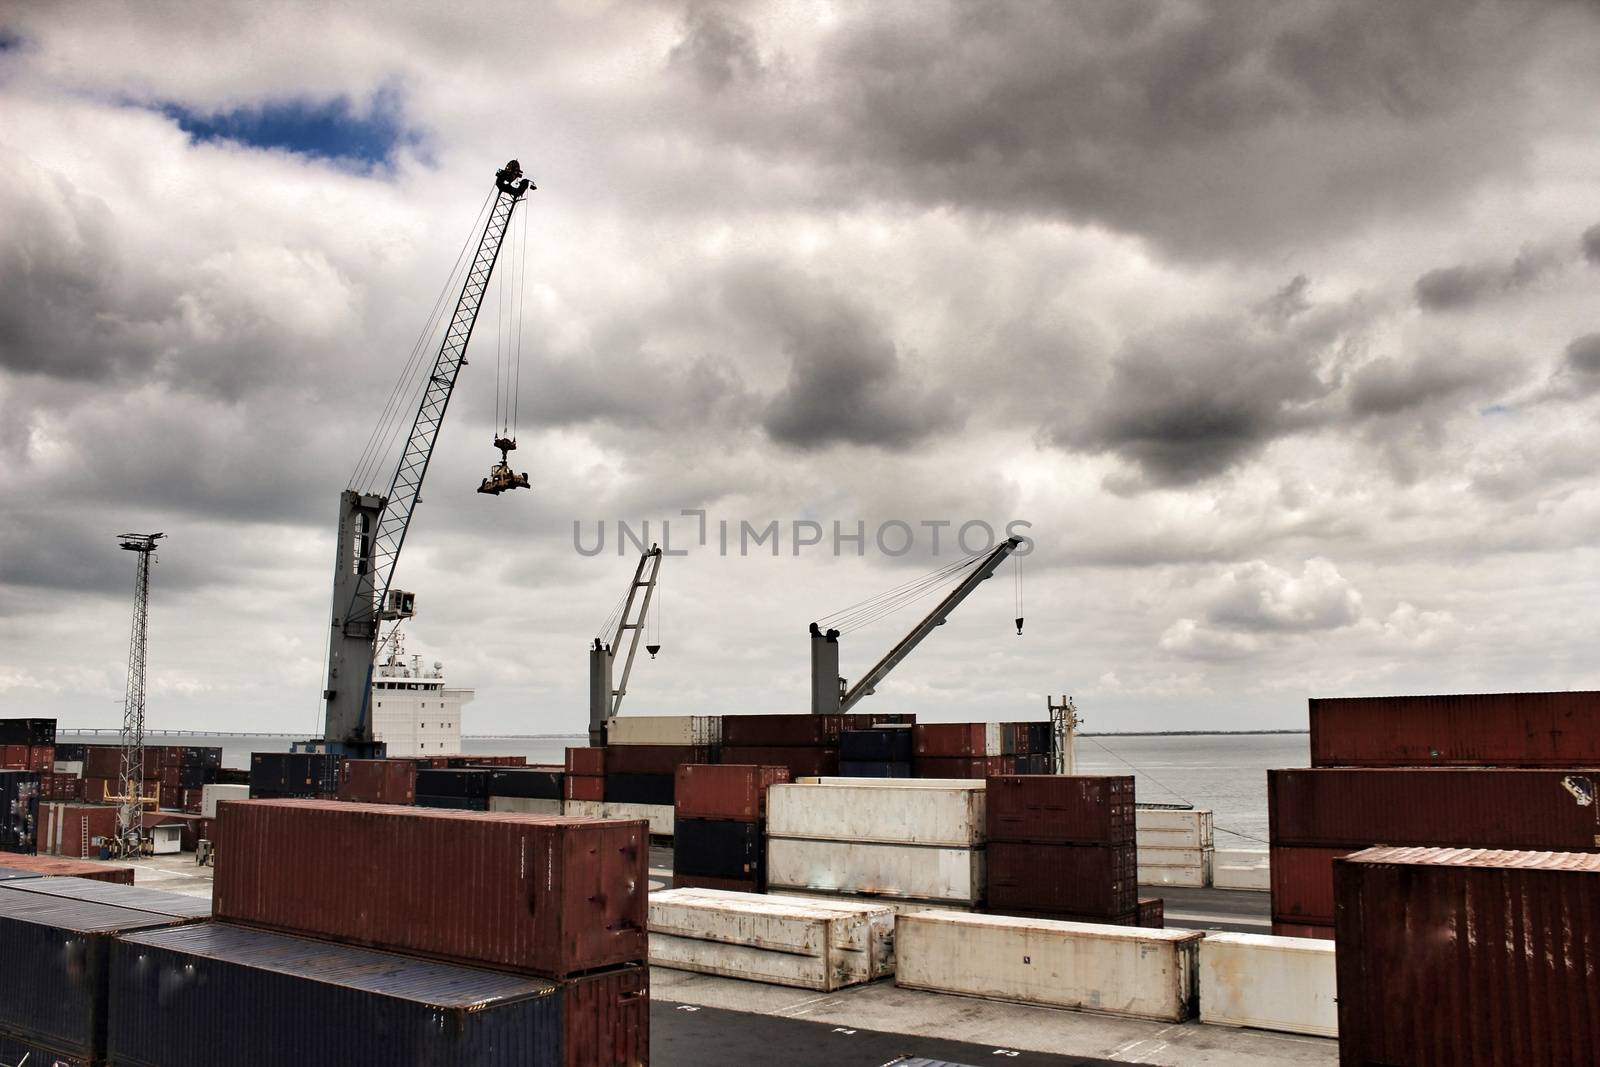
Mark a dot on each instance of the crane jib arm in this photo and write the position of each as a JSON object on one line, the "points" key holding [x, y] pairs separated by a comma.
{"points": [[372, 529]]}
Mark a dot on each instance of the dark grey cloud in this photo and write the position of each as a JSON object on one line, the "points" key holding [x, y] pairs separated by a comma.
{"points": [[1591, 244], [1454, 288], [1390, 386], [1583, 358], [718, 48]]}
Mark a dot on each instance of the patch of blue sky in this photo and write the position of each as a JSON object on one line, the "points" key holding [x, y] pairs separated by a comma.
{"points": [[323, 129]]}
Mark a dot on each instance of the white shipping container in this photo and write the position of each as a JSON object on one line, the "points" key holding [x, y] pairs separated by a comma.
{"points": [[1173, 829], [993, 739], [1241, 857], [912, 872], [1173, 857], [211, 794], [1271, 983], [905, 813], [526, 805], [894, 904], [1255, 879], [584, 809], [1180, 877], [73, 768], [1116, 970], [659, 816], [664, 730]]}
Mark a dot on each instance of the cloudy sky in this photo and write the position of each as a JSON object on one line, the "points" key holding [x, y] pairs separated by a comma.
{"points": [[1277, 322]]}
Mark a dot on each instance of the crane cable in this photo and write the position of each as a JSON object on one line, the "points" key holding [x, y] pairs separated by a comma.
{"points": [[865, 612], [510, 326]]}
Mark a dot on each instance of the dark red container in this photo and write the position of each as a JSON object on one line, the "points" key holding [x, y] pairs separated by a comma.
{"points": [[541, 894], [959, 766], [586, 761], [1505, 729], [378, 781], [735, 791], [943, 739], [55, 867], [1302, 883], [606, 1019], [800, 731], [1061, 809], [801, 762], [1306, 930], [652, 759], [95, 790], [1468, 957], [41, 758], [105, 761], [14, 757], [583, 787], [1463, 807], [71, 829], [1152, 912], [1072, 879]]}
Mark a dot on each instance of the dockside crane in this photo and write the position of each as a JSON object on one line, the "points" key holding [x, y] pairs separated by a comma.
{"points": [[372, 528], [830, 695], [606, 690], [130, 798]]}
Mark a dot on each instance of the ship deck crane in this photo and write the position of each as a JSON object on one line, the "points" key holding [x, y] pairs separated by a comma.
{"points": [[372, 528], [829, 693], [606, 690]]}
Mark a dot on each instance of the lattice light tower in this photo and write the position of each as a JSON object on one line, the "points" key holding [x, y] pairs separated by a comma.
{"points": [[131, 799]]}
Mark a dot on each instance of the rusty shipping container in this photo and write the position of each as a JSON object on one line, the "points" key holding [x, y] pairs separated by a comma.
{"points": [[796, 731], [1302, 883], [1305, 930], [1463, 807], [735, 791], [948, 739], [586, 761], [53, 867], [1152, 912], [583, 787], [962, 766], [1061, 809], [544, 894], [177, 997], [652, 759], [1504, 729], [1063, 879], [378, 781], [1468, 957], [800, 762]]}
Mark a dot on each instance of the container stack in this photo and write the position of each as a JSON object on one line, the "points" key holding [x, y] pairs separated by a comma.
{"points": [[805, 744], [979, 749], [460, 788], [537, 958], [1467, 957], [1176, 847], [286, 775], [878, 752], [19, 811], [906, 844], [529, 790], [1063, 847], [719, 826], [378, 781], [585, 780], [27, 744]]}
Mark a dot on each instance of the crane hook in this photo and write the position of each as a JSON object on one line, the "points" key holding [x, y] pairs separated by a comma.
{"points": [[1019, 625]]}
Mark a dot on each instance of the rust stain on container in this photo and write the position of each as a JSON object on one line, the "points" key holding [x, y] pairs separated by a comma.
{"points": [[542, 894], [1061, 809], [1468, 957], [1505, 729], [1302, 883], [725, 791]]}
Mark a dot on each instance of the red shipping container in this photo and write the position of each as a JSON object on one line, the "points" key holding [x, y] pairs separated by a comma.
{"points": [[652, 759], [957, 766], [104, 761], [797, 731], [1302, 883], [1063, 879], [71, 829], [801, 762], [171, 781], [583, 787], [606, 1018], [1461, 807], [1306, 930], [1152, 912], [1061, 809], [1504, 729], [1468, 957], [95, 790], [945, 739], [735, 791], [14, 757], [378, 781], [41, 757], [544, 894], [54, 867], [586, 761]]}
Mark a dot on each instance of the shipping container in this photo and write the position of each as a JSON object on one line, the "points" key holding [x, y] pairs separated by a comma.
{"points": [[858, 769], [1302, 884], [1504, 729], [293, 774], [952, 739], [639, 788], [725, 791], [542, 894], [1306, 931], [27, 732], [1114, 970], [1241, 868], [586, 761], [11, 874], [178, 998], [536, 783], [653, 759], [799, 761], [783, 941], [454, 803], [1096, 880], [55, 867], [911, 872], [15, 1050], [378, 781], [1462, 807], [586, 787], [152, 901], [1182, 867], [1164, 828], [58, 999], [868, 811], [885, 744], [658, 817], [75, 830], [526, 805], [793, 731], [453, 782], [1468, 957], [212, 795], [702, 730], [1061, 809], [1151, 913], [19, 811], [1269, 983], [962, 766], [718, 848], [105, 761]]}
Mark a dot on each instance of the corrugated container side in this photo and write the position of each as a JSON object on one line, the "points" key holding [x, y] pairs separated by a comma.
{"points": [[538, 893], [1508, 729], [16, 1050], [911, 872], [951, 739], [111, 894], [799, 761], [653, 759], [1061, 809], [585, 787], [789, 731], [725, 791], [586, 761], [1443, 807], [1269, 983], [858, 769], [54, 867], [718, 848], [640, 788], [1307, 931], [533, 783], [1152, 913], [962, 766], [870, 810], [1468, 957], [889, 744], [1074, 879], [372, 781], [1302, 884]]}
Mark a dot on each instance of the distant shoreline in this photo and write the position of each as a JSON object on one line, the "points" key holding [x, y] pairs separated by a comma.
{"points": [[559, 737]]}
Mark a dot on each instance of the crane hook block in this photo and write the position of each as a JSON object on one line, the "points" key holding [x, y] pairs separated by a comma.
{"points": [[1019, 625], [652, 649]]}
